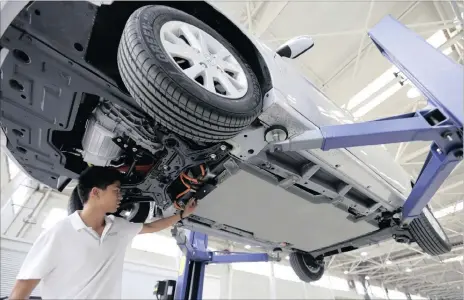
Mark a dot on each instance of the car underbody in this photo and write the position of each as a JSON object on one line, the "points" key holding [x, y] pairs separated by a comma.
{"points": [[74, 111]]}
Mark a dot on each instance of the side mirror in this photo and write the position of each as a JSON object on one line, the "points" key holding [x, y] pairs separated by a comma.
{"points": [[295, 47]]}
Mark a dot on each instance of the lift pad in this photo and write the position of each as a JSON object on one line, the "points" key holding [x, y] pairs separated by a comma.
{"points": [[441, 80]]}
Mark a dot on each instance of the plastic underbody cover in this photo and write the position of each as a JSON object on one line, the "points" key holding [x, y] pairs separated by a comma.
{"points": [[271, 213]]}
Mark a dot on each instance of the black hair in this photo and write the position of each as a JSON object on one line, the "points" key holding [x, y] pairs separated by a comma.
{"points": [[100, 177]]}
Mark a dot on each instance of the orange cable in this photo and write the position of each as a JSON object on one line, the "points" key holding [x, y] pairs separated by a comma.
{"points": [[202, 168], [182, 179], [183, 193], [189, 178]]}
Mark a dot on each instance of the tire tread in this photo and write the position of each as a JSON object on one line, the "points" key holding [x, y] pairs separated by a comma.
{"points": [[301, 270], [427, 238]]}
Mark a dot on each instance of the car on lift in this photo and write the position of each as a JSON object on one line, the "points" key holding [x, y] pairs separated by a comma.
{"points": [[184, 102]]}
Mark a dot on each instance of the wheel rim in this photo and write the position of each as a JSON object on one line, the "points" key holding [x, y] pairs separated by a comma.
{"points": [[130, 213], [204, 59], [434, 223], [312, 267]]}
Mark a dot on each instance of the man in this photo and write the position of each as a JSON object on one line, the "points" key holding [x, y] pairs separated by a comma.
{"points": [[82, 256]]}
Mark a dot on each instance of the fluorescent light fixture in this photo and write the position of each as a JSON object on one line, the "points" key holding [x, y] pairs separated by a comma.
{"points": [[247, 247], [458, 206], [287, 257], [413, 93], [371, 88], [363, 253], [452, 259], [377, 100], [345, 272], [388, 262], [367, 278], [408, 270]]}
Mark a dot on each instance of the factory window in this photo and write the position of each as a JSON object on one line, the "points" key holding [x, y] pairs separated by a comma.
{"points": [[285, 273], [378, 292], [338, 283], [12, 169], [323, 282], [394, 294], [260, 268], [156, 243], [359, 288], [19, 198]]}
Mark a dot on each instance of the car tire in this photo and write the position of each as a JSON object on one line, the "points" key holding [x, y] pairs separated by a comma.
{"points": [[306, 267], [140, 216], [167, 94], [429, 235], [74, 202], [142, 210]]}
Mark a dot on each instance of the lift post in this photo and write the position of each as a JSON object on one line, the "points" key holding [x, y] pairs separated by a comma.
{"points": [[441, 81], [195, 258]]}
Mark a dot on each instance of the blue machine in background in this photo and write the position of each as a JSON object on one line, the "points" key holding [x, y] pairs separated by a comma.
{"points": [[439, 78]]}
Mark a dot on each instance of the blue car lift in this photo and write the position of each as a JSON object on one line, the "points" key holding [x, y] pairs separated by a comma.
{"points": [[439, 78]]}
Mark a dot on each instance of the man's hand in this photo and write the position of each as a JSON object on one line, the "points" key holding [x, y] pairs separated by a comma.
{"points": [[161, 224], [189, 207]]}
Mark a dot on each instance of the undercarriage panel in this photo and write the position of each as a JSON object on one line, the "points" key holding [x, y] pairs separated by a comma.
{"points": [[271, 213]]}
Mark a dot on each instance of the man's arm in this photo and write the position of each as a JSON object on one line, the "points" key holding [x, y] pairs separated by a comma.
{"points": [[161, 224], [23, 288], [39, 262]]}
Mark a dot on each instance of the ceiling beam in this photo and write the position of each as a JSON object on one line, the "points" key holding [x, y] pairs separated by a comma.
{"points": [[415, 154], [352, 59], [269, 13], [450, 186], [363, 38]]}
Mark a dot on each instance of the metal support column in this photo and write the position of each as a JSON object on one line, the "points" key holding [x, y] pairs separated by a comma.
{"points": [[195, 258], [441, 80]]}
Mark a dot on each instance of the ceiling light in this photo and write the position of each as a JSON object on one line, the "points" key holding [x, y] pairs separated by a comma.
{"points": [[377, 100], [287, 257], [372, 88], [345, 272], [363, 253], [247, 247], [413, 93], [408, 270], [388, 262], [456, 258], [449, 210], [367, 278]]}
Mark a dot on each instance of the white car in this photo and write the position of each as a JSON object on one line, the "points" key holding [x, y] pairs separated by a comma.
{"points": [[184, 102]]}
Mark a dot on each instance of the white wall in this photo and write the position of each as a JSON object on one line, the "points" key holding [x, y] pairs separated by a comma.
{"points": [[138, 281]]}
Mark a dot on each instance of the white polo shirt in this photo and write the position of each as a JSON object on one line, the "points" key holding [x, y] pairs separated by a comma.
{"points": [[73, 262]]}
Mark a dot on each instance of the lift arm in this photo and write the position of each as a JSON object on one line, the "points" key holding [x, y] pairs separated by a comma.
{"points": [[441, 80], [196, 256]]}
